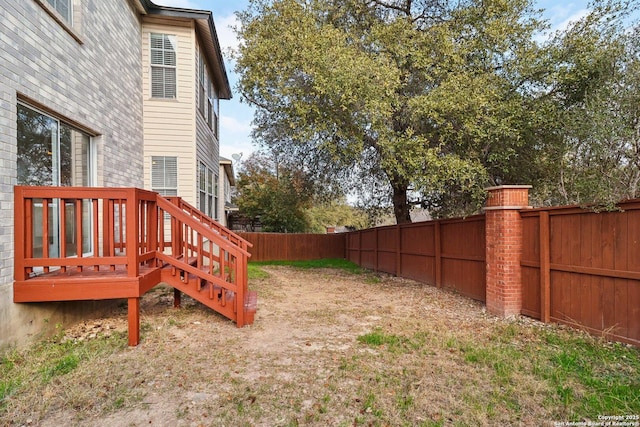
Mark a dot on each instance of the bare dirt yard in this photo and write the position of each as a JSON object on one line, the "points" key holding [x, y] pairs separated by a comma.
{"points": [[327, 348]]}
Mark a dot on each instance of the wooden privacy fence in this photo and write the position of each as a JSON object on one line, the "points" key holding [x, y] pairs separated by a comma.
{"points": [[294, 247], [583, 269], [445, 253], [562, 264]]}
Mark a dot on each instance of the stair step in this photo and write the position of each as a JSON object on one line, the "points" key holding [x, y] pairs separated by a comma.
{"points": [[211, 295]]}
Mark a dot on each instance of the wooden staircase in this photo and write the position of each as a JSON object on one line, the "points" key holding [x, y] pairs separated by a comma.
{"points": [[216, 297], [138, 239]]}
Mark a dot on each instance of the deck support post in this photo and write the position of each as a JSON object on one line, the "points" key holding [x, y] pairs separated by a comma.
{"points": [[177, 298], [133, 314]]}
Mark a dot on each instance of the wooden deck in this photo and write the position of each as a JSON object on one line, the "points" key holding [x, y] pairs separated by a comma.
{"points": [[121, 242], [87, 284]]}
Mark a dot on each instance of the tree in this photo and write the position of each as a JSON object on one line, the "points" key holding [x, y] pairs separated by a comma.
{"points": [[336, 213], [600, 158], [275, 194], [429, 99]]}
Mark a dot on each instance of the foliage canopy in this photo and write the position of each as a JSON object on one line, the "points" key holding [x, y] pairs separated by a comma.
{"points": [[274, 193], [430, 101]]}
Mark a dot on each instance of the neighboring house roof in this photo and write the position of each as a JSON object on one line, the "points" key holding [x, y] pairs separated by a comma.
{"points": [[207, 31], [228, 170], [231, 207]]}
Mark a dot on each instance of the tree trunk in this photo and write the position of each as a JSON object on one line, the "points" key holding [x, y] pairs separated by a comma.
{"points": [[400, 205]]}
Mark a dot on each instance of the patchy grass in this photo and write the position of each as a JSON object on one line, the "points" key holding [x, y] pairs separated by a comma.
{"points": [[255, 272], [391, 352], [336, 263], [50, 365], [508, 371]]}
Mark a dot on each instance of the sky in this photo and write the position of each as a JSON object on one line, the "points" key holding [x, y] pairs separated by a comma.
{"points": [[236, 117]]}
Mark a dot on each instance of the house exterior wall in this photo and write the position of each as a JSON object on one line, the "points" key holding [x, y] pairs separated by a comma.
{"points": [[88, 75], [207, 145], [187, 135], [174, 137]]}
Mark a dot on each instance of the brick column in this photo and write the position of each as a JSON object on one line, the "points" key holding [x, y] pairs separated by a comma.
{"points": [[503, 228]]}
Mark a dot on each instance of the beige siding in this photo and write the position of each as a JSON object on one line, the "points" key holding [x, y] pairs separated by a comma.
{"points": [[169, 125]]}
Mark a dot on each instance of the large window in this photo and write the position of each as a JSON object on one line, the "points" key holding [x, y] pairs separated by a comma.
{"points": [[53, 153], [63, 7], [163, 66], [164, 175]]}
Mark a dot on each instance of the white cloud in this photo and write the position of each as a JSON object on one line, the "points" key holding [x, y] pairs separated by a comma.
{"points": [[188, 4], [575, 17], [235, 126], [235, 136], [226, 35], [560, 19]]}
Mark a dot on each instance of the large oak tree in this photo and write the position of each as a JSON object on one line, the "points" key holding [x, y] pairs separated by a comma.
{"points": [[430, 99]]}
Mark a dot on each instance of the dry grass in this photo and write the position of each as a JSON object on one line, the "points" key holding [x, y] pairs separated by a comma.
{"points": [[327, 348]]}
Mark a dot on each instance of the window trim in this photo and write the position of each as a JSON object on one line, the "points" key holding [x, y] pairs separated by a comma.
{"points": [[164, 188], [70, 27], [92, 157], [68, 18], [207, 190], [163, 66]]}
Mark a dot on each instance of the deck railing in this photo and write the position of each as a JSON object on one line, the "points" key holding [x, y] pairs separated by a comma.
{"points": [[76, 230], [83, 228], [232, 237]]}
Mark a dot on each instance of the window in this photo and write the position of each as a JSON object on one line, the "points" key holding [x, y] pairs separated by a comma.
{"points": [[210, 200], [201, 82], [216, 197], [206, 186], [63, 7], [163, 66], [202, 186], [164, 175], [53, 153], [215, 102], [209, 106], [207, 96]]}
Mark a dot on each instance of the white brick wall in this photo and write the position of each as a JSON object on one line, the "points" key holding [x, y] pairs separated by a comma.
{"points": [[96, 83]]}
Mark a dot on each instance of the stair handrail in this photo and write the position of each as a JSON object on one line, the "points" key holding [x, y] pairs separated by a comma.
{"points": [[216, 226], [239, 285], [178, 213]]}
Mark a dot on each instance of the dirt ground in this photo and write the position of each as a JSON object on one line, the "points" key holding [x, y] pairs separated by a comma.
{"points": [[301, 363]]}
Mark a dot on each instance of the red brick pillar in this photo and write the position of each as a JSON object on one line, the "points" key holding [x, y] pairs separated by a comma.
{"points": [[504, 248]]}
